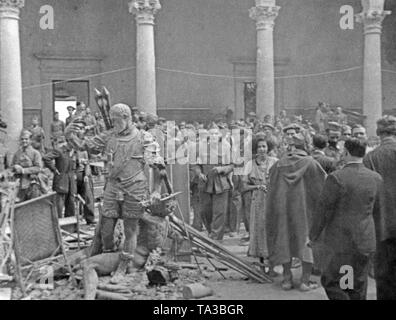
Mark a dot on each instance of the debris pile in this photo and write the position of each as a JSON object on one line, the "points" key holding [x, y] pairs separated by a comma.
{"points": [[159, 278]]}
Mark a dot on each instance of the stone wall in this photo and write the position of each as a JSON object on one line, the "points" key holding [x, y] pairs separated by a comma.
{"points": [[203, 37]]}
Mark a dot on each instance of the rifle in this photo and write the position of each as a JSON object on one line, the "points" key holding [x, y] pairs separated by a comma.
{"points": [[102, 99]]}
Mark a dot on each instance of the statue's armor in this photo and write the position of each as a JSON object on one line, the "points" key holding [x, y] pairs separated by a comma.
{"points": [[127, 184]]}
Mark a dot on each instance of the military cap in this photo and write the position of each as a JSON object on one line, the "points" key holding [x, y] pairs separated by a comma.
{"points": [[268, 125], [334, 126], [291, 126], [26, 134], [71, 108], [346, 128], [151, 118], [79, 121], [260, 135]]}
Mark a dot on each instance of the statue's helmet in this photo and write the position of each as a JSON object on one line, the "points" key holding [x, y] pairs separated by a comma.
{"points": [[120, 110]]}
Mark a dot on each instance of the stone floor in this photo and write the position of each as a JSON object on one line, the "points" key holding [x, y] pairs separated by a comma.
{"points": [[236, 288]]}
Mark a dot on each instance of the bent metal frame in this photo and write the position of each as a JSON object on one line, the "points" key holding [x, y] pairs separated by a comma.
{"points": [[37, 241]]}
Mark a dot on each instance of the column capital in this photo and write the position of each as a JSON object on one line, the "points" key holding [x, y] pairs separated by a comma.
{"points": [[144, 10], [264, 15], [372, 16], [11, 8]]}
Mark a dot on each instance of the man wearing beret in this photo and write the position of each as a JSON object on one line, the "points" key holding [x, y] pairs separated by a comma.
{"points": [[383, 161]]}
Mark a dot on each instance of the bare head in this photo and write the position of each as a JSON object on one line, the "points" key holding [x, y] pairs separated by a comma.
{"points": [[121, 117]]}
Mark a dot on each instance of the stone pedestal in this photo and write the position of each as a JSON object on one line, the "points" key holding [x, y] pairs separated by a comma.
{"points": [[265, 13], [11, 105], [146, 96], [372, 16]]}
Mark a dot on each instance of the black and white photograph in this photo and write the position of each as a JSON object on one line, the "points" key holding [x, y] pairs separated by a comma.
{"points": [[200, 151]]}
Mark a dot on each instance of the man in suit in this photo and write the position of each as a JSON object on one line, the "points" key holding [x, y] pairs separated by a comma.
{"points": [[348, 203], [328, 164], [383, 161], [61, 162]]}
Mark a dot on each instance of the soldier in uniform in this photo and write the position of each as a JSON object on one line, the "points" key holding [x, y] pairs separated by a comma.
{"points": [[61, 162], [26, 165], [57, 128], [129, 154], [90, 123], [38, 135], [100, 127], [70, 118]]}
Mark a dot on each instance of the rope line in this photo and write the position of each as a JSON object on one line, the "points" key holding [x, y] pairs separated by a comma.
{"points": [[197, 74]]}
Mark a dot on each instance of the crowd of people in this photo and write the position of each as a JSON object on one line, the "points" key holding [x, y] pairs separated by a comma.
{"points": [[318, 192]]}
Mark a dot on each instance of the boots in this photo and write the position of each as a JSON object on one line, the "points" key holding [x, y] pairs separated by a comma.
{"points": [[125, 260]]}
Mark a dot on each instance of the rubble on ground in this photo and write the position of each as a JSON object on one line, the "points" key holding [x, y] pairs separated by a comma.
{"points": [[136, 287]]}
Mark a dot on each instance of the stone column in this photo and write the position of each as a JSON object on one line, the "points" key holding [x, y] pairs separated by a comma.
{"points": [[265, 13], [372, 16], [11, 105], [146, 95]]}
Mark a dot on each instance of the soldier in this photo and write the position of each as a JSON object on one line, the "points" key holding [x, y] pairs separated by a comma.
{"points": [[38, 135], [26, 165], [85, 185], [57, 127], [129, 152], [70, 118], [61, 162], [101, 127], [90, 123]]}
